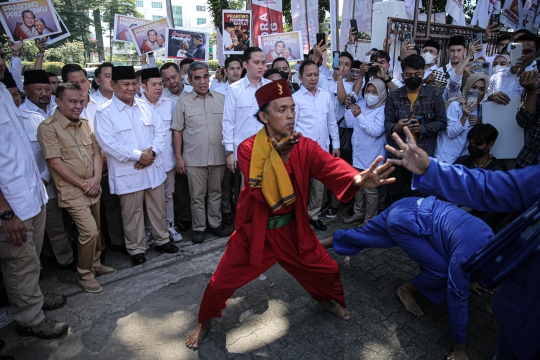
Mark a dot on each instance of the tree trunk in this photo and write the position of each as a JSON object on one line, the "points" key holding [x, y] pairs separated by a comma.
{"points": [[110, 45], [99, 34]]}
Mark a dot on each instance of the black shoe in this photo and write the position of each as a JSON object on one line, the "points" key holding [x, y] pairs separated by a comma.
{"points": [[198, 237], [118, 248], [350, 212], [53, 302], [138, 259], [332, 213], [318, 224], [220, 231], [168, 248], [183, 226], [71, 266], [227, 218]]}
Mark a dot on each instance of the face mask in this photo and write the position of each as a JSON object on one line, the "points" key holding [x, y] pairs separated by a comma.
{"points": [[185, 79], [372, 99], [413, 82], [475, 152], [498, 68], [429, 58]]}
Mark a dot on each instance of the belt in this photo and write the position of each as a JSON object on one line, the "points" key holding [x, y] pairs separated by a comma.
{"points": [[275, 222]]}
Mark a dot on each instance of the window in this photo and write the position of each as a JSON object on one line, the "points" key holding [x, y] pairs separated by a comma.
{"points": [[140, 3], [157, 5], [201, 8], [177, 15], [157, 17], [201, 21]]}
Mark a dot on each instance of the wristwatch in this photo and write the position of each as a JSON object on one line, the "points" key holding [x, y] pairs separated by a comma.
{"points": [[228, 152], [40, 55], [7, 215], [153, 153], [387, 81]]}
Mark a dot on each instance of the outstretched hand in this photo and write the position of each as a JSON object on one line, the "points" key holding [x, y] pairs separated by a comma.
{"points": [[285, 147], [410, 156], [374, 176]]}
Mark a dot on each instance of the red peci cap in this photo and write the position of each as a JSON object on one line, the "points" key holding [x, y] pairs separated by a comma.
{"points": [[272, 91]]}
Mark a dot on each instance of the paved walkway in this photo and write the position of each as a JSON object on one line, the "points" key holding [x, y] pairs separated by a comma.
{"points": [[146, 312]]}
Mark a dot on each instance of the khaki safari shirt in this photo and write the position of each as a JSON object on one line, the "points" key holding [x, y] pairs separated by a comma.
{"points": [[75, 144], [200, 120]]}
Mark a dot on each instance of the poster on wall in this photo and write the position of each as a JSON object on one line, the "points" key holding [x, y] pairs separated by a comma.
{"points": [[122, 24], [236, 31], [187, 44], [27, 20], [286, 45], [150, 37]]}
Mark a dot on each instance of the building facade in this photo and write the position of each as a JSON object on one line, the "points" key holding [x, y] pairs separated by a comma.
{"points": [[188, 14]]}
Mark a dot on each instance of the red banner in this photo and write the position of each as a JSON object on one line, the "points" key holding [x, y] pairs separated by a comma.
{"points": [[267, 18]]}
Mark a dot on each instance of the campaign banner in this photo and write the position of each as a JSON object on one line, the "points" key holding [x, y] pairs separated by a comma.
{"points": [[150, 37], [27, 20], [186, 43], [51, 39], [122, 24], [267, 17], [361, 11], [510, 13], [285, 45], [305, 19], [236, 31]]}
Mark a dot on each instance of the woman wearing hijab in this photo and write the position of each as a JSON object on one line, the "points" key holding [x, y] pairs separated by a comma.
{"points": [[368, 140], [500, 63], [462, 112]]}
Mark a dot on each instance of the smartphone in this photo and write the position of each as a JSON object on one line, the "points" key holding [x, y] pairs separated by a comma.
{"points": [[306, 57], [478, 36], [516, 51], [354, 26], [408, 36], [441, 76], [352, 100], [472, 97], [335, 59], [321, 37], [415, 119], [495, 18]]}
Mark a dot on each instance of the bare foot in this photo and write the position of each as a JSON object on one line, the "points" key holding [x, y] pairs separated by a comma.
{"points": [[406, 295], [327, 242], [197, 336], [335, 309]]}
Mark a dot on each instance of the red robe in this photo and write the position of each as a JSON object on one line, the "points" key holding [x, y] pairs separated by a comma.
{"points": [[253, 248]]}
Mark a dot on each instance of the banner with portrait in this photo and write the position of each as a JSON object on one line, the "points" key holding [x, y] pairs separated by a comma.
{"points": [[122, 24], [186, 44], [150, 37], [236, 31], [51, 39], [27, 20], [267, 17], [286, 45]]}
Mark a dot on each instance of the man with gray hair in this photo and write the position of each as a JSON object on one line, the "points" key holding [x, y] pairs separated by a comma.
{"points": [[197, 124]]}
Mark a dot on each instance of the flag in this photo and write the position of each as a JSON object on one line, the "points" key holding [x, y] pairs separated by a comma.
{"points": [[168, 5], [267, 17], [409, 7], [510, 13], [528, 15], [305, 18], [454, 8], [483, 11]]}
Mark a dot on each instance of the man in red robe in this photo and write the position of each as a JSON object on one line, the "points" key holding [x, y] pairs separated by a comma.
{"points": [[271, 219]]}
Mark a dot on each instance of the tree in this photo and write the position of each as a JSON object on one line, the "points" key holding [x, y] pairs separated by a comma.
{"points": [[68, 52], [74, 13]]}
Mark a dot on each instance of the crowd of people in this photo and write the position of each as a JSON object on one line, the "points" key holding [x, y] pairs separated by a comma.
{"points": [[133, 159]]}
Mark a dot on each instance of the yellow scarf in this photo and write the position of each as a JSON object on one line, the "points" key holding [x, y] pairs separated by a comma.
{"points": [[267, 171]]}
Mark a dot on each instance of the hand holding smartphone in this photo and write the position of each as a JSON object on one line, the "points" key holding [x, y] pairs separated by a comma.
{"points": [[321, 37], [354, 26], [335, 59]]}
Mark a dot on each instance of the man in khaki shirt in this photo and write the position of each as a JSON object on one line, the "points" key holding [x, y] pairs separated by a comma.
{"points": [[197, 125], [74, 159]]}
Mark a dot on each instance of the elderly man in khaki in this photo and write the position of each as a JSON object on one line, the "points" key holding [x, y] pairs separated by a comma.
{"points": [[75, 163], [197, 125]]}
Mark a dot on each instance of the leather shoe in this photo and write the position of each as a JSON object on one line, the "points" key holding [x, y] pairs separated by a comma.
{"points": [[168, 248], [318, 224], [183, 226], [198, 237], [227, 218], [138, 259], [118, 248], [353, 219], [220, 231]]}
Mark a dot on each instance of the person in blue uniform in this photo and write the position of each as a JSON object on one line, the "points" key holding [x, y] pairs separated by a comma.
{"points": [[437, 235], [517, 303]]}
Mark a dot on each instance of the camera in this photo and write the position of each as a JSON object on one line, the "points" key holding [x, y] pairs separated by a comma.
{"points": [[373, 69]]}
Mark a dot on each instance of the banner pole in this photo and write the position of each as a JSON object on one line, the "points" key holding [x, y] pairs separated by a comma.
{"points": [[169, 11]]}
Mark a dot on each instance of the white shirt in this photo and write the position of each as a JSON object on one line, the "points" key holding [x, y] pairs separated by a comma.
{"points": [[507, 82], [428, 71], [239, 122], [227, 41], [451, 143], [28, 105], [315, 117], [369, 135], [222, 88], [30, 122], [98, 97], [165, 108], [90, 110], [123, 132], [166, 93], [20, 178], [215, 82], [332, 88], [15, 68]]}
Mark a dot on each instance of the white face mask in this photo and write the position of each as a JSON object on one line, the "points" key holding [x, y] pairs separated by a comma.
{"points": [[185, 79], [429, 58], [372, 99], [498, 68]]}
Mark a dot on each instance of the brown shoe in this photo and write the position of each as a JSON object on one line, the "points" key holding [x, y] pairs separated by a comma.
{"points": [[102, 270], [90, 285], [353, 219]]}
